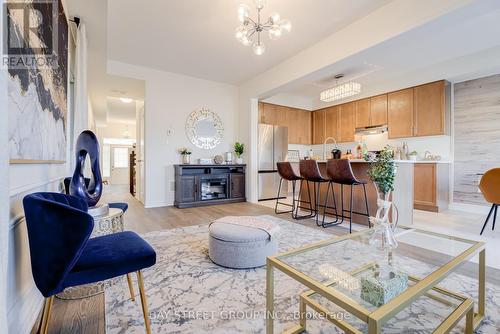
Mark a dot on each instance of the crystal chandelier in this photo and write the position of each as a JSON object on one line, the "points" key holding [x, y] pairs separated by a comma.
{"points": [[249, 32], [340, 91]]}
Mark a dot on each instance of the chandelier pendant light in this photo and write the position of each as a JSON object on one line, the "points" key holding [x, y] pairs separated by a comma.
{"points": [[340, 91], [250, 31]]}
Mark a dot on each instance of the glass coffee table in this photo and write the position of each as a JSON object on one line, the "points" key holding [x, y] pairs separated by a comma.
{"points": [[373, 285]]}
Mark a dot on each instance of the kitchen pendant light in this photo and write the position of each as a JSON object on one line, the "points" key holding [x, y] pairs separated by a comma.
{"points": [[340, 91]]}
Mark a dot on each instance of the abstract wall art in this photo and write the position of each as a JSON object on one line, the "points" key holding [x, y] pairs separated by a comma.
{"points": [[37, 47]]}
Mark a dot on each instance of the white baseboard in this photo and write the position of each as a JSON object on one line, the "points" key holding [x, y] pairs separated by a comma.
{"points": [[158, 205]]}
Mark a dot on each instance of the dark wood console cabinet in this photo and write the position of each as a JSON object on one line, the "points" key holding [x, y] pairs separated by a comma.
{"points": [[198, 185]]}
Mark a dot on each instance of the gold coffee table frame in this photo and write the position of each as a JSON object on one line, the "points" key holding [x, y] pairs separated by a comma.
{"points": [[376, 319]]}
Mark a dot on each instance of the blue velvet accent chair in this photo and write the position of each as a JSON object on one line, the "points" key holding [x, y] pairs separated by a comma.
{"points": [[118, 205], [64, 255]]}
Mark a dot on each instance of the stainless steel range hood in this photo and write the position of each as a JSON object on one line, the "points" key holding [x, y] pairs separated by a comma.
{"points": [[371, 130]]}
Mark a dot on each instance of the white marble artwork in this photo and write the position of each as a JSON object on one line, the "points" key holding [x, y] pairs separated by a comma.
{"points": [[37, 89], [34, 133], [188, 293]]}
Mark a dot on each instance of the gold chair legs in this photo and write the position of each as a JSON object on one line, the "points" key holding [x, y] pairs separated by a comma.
{"points": [[47, 307], [131, 287], [143, 302]]}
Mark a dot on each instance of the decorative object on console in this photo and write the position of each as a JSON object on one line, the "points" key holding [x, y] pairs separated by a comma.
{"points": [[218, 159], [186, 155], [239, 148], [205, 161], [383, 172], [229, 158], [250, 30], [204, 128], [87, 144]]}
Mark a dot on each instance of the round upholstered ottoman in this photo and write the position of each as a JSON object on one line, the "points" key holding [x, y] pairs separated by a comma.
{"points": [[239, 246]]}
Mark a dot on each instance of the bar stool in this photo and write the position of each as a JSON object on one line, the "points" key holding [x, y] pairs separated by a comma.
{"points": [[489, 186], [340, 171], [286, 173], [309, 170]]}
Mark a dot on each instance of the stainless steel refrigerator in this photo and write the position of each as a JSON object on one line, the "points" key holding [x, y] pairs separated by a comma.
{"points": [[273, 148]]}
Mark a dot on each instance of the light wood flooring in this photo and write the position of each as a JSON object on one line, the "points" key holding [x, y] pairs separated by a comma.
{"points": [[88, 316]]}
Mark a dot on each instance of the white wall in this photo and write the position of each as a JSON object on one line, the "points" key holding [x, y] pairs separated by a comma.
{"points": [[290, 100], [116, 130], [4, 193], [168, 101]]}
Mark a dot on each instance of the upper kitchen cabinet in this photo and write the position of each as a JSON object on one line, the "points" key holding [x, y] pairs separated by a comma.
{"points": [[378, 110], [431, 108], [299, 126], [363, 113], [267, 113], [346, 123], [371, 111], [400, 113], [332, 123], [297, 121], [318, 126]]}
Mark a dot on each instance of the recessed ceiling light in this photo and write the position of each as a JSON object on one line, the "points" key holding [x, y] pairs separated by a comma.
{"points": [[126, 99]]}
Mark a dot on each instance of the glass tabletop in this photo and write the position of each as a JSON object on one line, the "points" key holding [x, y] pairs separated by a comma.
{"points": [[368, 274]]}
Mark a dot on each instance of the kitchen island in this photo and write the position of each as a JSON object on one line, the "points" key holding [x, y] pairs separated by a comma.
{"points": [[402, 196]]}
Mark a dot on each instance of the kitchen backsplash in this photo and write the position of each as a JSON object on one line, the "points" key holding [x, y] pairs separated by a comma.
{"points": [[437, 145]]}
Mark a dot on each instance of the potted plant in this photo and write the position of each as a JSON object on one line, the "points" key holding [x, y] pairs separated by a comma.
{"points": [[413, 155], [186, 155], [238, 150], [382, 172]]}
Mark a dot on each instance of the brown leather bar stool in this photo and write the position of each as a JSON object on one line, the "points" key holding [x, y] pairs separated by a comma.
{"points": [[490, 187], [309, 170], [340, 171], [286, 173]]}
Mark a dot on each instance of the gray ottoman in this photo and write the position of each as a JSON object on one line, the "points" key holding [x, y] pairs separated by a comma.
{"points": [[239, 247]]}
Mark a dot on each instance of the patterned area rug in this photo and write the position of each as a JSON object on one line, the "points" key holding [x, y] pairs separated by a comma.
{"points": [[187, 293]]}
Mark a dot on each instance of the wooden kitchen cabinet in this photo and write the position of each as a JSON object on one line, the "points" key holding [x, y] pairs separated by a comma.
{"points": [[363, 113], [400, 113], [346, 123], [267, 113], [378, 110], [298, 121], [318, 126], [332, 123], [430, 186], [430, 109]]}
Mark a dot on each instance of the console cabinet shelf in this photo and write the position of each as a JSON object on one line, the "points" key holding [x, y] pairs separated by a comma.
{"points": [[199, 185]]}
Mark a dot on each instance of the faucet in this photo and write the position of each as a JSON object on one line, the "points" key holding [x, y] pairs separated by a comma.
{"points": [[324, 145]]}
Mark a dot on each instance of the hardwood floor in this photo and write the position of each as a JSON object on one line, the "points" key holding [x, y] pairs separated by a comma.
{"points": [[87, 315]]}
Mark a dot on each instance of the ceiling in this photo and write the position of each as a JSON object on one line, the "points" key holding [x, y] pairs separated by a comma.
{"points": [[186, 36], [120, 112], [93, 13], [459, 46]]}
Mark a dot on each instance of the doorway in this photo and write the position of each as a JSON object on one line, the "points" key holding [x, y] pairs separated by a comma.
{"points": [[120, 167]]}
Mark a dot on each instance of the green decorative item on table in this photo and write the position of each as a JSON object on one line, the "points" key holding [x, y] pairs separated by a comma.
{"points": [[382, 172], [239, 148], [379, 291]]}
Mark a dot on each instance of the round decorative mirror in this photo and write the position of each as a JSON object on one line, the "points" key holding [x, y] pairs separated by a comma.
{"points": [[204, 128]]}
